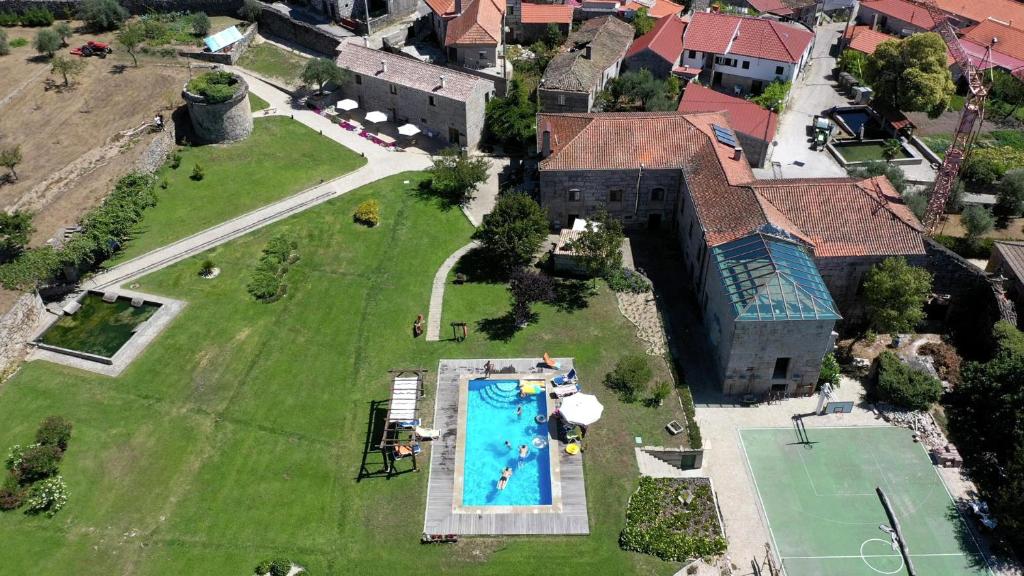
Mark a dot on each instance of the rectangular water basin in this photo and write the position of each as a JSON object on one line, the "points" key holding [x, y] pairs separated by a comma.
{"points": [[492, 419], [98, 328]]}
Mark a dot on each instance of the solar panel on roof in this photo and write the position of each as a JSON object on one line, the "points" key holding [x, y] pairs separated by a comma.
{"points": [[724, 135]]}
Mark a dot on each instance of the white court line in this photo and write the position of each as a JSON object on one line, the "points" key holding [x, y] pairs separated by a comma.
{"points": [[760, 501], [870, 556]]}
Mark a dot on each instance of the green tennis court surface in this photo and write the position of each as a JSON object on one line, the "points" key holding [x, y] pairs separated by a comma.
{"points": [[824, 514]]}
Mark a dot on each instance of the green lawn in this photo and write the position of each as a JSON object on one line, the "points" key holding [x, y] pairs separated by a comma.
{"points": [[269, 60], [282, 157], [256, 103], [238, 435]]}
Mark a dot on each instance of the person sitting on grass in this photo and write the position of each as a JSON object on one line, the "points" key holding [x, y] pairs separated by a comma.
{"points": [[505, 475]]}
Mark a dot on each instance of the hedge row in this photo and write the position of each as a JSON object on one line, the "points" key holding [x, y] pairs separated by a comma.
{"points": [[104, 229], [30, 17], [33, 470], [266, 284]]}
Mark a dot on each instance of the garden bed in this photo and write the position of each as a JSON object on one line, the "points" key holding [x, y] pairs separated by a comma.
{"points": [[675, 519]]}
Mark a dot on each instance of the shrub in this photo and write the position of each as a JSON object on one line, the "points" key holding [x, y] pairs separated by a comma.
{"points": [[200, 24], [280, 249], [47, 42], [630, 377], [661, 391], [904, 386], [264, 285], [692, 429], [175, 160], [9, 18], [48, 496], [38, 462], [102, 15], [54, 431], [367, 213], [626, 280], [280, 567], [987, 165], [206, 268], [215, 87], [19, 42], [250, 10], [829, 371], [5, 48], [36, 17], [263, 568], [674, 519], [14, 457], [197, 172], [154, 29], [12, 495]]}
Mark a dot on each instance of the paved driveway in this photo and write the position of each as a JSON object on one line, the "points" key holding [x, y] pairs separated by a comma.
{"points": [[811, 94]]}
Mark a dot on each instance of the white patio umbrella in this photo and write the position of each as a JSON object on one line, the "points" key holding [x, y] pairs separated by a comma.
{"points": [[408, 130], [582, 409], [347, 104], [375, 117]]}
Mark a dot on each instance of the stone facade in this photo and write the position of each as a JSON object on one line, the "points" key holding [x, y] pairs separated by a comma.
{"points": [[652, 61], [224, 122], [16, 328], [277, 23], [567, 195], [552, 100]]}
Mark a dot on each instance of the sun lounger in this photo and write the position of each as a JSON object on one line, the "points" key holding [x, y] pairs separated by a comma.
{"points": [[403, 450], [550, 363], [569, 378], [427, 433], [408, 423], [565, 390]]}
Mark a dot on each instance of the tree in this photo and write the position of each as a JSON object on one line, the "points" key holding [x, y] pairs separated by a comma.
{"points": [[47, 42], [200, 24], [1008, 89], [853, 62], [513, 232], [553, 36], [977, 221], [639, 89], [918, 204], [9, 158], [527, 287], [911, 74], [829, 372], [15, 230], [891, 148], [130, 37], [250, 10], [599, 246], [102, 15], [1010, 196], [67, 67], [512, 120], [630, 377], [773, 97], [455, 174], [892, 172], [320, 71], [5, 48], [642, 23], [64, 31], [895, 293]]}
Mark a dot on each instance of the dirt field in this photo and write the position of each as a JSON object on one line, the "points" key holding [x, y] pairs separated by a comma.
{"points": [[70, 138]]}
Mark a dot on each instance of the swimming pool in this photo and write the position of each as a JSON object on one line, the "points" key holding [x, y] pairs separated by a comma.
{"points": [[491, 420]]}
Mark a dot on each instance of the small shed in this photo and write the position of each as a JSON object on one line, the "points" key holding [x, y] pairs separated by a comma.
{"points": [[223, 39], [563, 258]]}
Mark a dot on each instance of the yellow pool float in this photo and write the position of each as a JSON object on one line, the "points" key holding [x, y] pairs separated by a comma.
{"points": [[573, 448]]}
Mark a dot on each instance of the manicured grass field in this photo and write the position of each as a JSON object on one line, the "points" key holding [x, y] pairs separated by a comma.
{"points": [[269, 60], [256, 103], [239, 434], [282, 157], [824, 513]]}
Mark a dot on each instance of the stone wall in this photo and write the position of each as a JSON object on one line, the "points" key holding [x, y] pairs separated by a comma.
{"points": [[229, 57], [16, 327], [224, 122], [754, 148], [276, 23], [966, 283], [62, 7], [573, 101], [595, 187]]}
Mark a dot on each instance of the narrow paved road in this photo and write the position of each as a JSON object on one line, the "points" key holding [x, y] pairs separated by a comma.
{"points": [[437, 292]]}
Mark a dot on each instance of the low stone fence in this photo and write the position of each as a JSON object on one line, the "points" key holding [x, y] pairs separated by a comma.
{"points": [[64, 8], [276, 23], [16, 328]]}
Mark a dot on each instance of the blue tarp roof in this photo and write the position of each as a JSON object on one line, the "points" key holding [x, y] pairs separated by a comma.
{"points": [[222, 39], [768, 278]]}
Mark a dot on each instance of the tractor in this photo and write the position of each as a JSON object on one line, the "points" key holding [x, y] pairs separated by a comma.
{"points": [[92, 48]]}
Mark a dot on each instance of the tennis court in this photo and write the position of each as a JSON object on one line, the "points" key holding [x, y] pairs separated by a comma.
{"points": [[818, 492]]}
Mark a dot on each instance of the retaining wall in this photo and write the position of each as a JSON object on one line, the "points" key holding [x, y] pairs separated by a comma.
{"points": [[62, 7], [16, 327], [276, 23], [226, 58]]}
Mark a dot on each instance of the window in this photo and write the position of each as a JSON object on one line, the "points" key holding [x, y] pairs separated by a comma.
{"points": [[779, 70], [693, 53], [781, 369], [359, 79], [615, 195], [657, 194], [574, 195], [392, 88], [561, 99], [432, 101], [746, 64], [483, 55], [423, 121]]}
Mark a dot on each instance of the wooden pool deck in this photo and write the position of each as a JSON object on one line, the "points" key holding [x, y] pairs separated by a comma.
{"points": [[441, 516]]}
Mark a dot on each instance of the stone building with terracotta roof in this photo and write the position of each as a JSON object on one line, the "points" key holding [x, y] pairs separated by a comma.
{"points": [[590, 57], [755, 126], [529, 21], [774, 264], [445, 104], [660, 49]]}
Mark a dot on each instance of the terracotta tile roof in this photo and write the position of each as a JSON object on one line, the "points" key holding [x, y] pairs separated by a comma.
{"points": [[845, 216], [405, 71], [1008, 11], [570, 70], [744, 116], [657, 8], [1011, 40], [442, 7], [479, 24], [745, 36], [902, 10], [780, 7], [546, 13], [864, 39], [665, 40]]}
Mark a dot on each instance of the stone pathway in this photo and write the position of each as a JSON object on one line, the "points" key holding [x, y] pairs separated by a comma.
{"points": [[642, 311], [437, 292]]}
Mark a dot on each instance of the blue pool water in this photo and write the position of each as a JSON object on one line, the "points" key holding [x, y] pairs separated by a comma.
{"points": [[857, 118], [490, 421]]}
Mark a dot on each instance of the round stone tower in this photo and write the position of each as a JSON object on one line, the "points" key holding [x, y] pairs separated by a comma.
{"points": [[227, 121]]}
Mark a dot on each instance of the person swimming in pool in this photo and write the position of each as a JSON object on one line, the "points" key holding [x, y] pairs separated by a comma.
{"points": [[523, 453], [519, 411], [508, 444], [505, 475]]}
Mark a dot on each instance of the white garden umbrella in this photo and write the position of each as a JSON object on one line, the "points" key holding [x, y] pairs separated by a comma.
{"points": [[347, 104], [408, 130], [582, 409], [375, 117]]}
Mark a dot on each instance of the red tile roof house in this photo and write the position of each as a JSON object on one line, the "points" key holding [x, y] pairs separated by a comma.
{"points": [[744, 54], [803, 11], [754, 125], [590, 57], [903, 18], [773, 263], [445, 104], [528, 21], [1006, 42], [471, 31], [660, 50]]}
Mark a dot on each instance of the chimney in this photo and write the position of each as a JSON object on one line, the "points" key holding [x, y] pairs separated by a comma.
{"points": [[586, 52], [458, 7], [442, 83], [545, 143], [737, 153], [383, 66]]}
